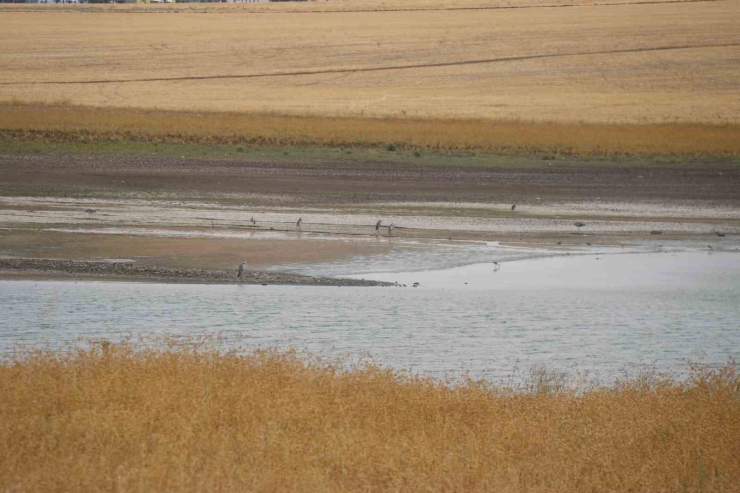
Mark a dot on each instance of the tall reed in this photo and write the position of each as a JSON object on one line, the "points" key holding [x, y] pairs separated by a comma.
{"points": [[126, 418]]}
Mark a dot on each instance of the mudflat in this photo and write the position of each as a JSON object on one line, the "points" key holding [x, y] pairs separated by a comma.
{"points": [[208, 208], [342, 181]]}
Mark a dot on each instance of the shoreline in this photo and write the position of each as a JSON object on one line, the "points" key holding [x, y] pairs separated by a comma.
{"points": [[176, 213], [89, 270]]}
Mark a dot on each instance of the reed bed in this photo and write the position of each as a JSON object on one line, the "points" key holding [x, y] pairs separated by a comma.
{"points": [[83, 124], [121, 417]]}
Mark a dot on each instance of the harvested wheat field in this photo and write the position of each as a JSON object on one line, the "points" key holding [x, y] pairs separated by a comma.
{"points": [[627, 63], [118, 418]]}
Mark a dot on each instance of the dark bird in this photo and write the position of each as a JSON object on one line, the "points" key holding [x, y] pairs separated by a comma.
{"points": [[90, 212], [710, 247], [513, 206], [298, 224], [240, 270], [579, 225], [497, 266], [253, 221], [719, 234], [377, 225]]}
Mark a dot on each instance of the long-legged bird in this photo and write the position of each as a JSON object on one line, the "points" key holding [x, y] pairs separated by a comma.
{"points": [[390, 229], [298, 224], [377, 225], [240, 270]]}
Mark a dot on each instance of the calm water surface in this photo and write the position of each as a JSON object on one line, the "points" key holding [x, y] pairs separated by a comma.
{"points": [[599, 314]]}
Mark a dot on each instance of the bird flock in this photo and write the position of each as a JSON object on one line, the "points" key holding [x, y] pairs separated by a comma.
{"points": [[391, 226], [496, 266]]}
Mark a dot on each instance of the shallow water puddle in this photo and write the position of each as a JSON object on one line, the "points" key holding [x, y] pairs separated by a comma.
{"points": [[664, 270]]}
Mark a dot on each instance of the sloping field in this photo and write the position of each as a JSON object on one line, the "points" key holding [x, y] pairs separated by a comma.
{"points": [[618, 63]]}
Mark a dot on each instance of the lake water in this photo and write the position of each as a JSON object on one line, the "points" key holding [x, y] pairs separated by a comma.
{"points": [[600, 313]]}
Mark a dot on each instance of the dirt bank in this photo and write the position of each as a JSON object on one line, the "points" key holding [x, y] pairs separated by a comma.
{"points": [[129, 271], [341, 180]]}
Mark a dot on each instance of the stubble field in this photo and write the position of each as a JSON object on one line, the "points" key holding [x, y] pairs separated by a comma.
{"points": [[671, 63], [600, 63]]}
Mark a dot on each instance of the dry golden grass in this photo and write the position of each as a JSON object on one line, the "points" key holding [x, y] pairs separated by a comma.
{"points": [[119, 419], [631, 63], [69, 123]]}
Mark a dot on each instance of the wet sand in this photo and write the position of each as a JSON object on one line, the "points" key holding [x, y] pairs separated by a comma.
{"points": [[161, 212]]}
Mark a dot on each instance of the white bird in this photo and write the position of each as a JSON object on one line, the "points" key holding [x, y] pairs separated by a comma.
{"points": [[377, 225], [240, 270], [298, 224], [390, 229]]}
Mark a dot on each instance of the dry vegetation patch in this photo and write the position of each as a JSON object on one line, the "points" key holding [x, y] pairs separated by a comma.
{"points": [[82, 124], [125, 419]]}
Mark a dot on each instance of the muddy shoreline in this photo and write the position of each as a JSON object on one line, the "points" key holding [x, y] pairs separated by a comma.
{"points": [[336, 180], [129, 271], [182, 217]]}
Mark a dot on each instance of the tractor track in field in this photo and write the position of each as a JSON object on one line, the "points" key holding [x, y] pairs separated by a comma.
{"points": [[361, 11], [301, 73]]}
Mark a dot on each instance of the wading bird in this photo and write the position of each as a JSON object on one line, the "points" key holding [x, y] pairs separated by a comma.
{"points": [[253, 221], [90, 212], [719, 234], [513, 206], [298, 224], [377, 225], [496, 266], [390, 229], [240, 270], [579, 225], [710, 247]]}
